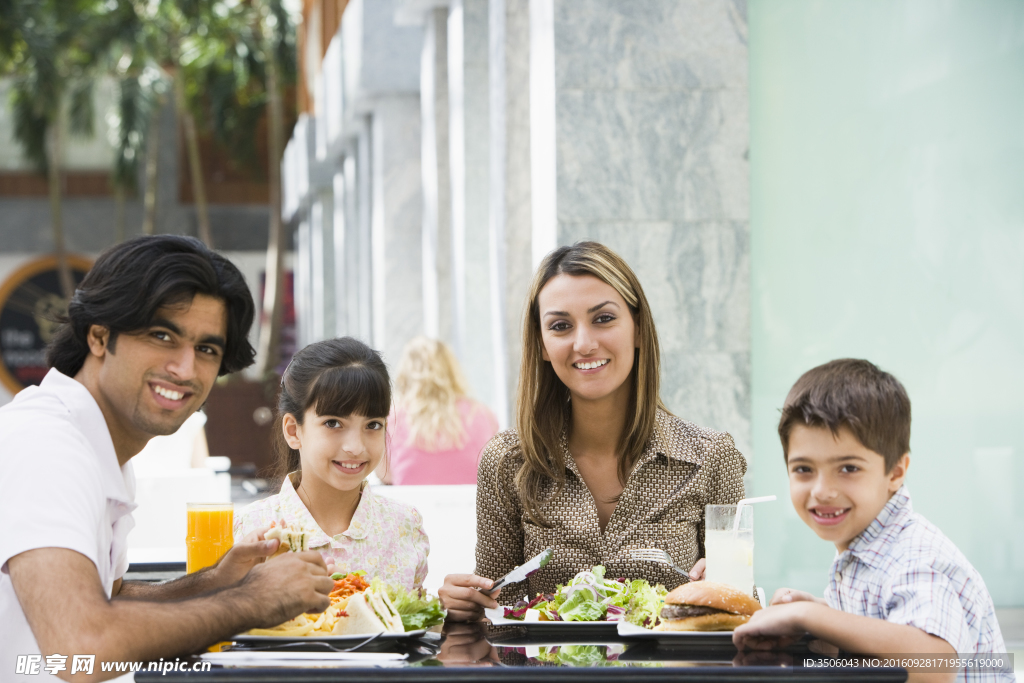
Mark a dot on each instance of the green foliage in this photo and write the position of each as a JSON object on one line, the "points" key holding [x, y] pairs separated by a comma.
{"points": [[29, 124], [48, 47], [55, 50], [226, 70]]}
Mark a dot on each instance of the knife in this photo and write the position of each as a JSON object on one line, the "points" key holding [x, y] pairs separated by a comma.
{"points": [[521, 572]]}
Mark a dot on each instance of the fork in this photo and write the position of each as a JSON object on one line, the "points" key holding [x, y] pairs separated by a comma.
{"points": [[657, 555], [306, 643]]}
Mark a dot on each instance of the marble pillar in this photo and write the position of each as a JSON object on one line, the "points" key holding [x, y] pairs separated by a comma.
{"points": [[470, 155], [510, 208], [457, 171], [437, 201], [396, 216], [339, 227], [359, 179], [652, 129]]}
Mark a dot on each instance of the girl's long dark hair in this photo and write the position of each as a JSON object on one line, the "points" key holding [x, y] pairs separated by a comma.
{"points": [[334, 377]]}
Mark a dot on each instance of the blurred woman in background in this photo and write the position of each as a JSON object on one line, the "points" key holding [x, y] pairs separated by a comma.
{"points": [[437, 431]]}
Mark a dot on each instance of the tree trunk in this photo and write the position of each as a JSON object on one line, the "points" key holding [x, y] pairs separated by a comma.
{"points": [[119, 213], [195, 167], [152, 168], [54, 165], [270, 322]]}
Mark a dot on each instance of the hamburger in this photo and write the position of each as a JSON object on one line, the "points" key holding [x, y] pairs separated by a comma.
{"points": [[706, 606]]}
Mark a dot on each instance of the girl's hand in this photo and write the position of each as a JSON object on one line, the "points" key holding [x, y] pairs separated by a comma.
{"points": [[699, 567], [461, 597]]}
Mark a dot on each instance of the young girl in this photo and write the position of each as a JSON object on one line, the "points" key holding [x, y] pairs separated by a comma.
{"points": [[335, 398]]}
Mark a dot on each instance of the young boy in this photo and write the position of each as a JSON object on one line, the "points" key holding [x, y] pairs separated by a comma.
{"points": [[898, 586]]}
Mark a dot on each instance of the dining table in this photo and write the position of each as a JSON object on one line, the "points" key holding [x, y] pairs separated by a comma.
{"points": [[508, 652]]}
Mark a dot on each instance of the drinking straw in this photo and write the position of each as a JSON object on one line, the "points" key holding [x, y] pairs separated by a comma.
{"points": [[739, 506]]}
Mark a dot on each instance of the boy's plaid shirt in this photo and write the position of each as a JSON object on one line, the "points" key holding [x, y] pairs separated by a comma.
{"points": [[904, 570]]}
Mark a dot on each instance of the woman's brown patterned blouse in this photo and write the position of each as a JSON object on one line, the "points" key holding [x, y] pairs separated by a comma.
{"points": [[683, 468]]}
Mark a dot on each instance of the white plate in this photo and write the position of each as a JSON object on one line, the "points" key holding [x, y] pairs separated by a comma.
{"points": [[497, 617], [232, 657], [346, 639], [627, 630]]}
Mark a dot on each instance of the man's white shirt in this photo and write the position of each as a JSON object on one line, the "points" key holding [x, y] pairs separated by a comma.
{"points": [[60, 487]]}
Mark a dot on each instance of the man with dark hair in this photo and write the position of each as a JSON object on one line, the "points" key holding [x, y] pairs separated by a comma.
{"points": [[150, 328]]}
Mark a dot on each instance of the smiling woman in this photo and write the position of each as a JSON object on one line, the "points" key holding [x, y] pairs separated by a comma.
{"points": [[597, 466]]}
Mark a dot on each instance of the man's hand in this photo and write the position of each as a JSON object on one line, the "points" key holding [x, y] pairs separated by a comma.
{"points": [[241, 558], [771, 628], [229, 571], [293, 583], [461, 597], [79, 618], [698, 570]]}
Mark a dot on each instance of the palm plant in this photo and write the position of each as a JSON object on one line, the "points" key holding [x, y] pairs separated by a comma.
{"points": [[279, 54], [133, 125], [46, 46], [245, 69], [180, 25]]}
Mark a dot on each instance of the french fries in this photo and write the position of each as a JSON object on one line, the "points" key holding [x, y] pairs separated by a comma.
{"points": [[299, 626], [306, 624], [323, 623]]}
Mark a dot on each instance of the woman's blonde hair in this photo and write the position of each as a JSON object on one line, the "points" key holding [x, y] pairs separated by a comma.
{"points": [[428, 387], [543, 409]]}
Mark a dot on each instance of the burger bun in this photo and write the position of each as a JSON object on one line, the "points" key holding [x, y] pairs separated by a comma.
{"points": [[735, 605], [715, 595], [707, 622]]}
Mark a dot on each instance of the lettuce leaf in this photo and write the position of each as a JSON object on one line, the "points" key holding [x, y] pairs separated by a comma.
{"points": [[585, 611], [417, 608], [581, 606], [643, 607], [575, 655]]}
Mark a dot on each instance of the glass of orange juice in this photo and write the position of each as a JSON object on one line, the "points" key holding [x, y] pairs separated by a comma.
{"points": [[210, 534]]}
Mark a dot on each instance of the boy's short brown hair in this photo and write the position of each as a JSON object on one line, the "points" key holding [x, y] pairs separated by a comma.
{"points": [[854, 394]]}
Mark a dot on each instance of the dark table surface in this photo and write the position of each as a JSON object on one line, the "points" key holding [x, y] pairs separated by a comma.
{"points": [[481, 652]]}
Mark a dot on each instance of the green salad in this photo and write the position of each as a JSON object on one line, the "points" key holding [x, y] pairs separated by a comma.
{"points": [[589, 596], [418, 609]]}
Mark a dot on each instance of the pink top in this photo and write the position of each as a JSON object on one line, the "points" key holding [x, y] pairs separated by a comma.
{"points": [[385, 538], [411, 464]]}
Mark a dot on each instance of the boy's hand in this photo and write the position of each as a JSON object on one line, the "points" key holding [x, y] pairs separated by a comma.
{"points": [[787, 595], [771, 628]]}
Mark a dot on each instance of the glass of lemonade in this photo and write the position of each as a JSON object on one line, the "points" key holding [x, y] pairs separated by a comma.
{"points": [[730, 551], [210, 534]]}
